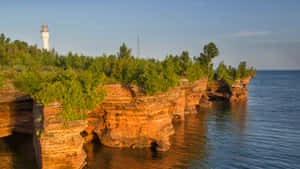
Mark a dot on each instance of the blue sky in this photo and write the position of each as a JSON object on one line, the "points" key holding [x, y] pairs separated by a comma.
{"points": [[265, 33]]}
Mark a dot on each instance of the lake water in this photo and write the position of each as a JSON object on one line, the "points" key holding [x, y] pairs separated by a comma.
{"points": [[264, 133]]}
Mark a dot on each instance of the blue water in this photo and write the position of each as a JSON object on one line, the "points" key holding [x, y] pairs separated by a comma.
{"points": [[263, 133]]}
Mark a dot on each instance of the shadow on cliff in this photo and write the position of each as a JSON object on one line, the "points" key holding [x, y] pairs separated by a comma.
{"points": [[24, 117]]}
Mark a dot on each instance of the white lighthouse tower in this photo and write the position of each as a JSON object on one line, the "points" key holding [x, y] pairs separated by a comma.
{"points": [[45, 37]]}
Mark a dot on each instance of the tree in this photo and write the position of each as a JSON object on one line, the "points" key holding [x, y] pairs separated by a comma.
{"points": [[186, 62], [242, 70], [225, 74], [194, 72], [210, 51], [231, 71], [170, 78], [150, 80], [124, 52], [222, 71]]}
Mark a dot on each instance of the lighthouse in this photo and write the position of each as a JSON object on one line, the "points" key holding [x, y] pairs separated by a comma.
{"points": [[45, 37]]}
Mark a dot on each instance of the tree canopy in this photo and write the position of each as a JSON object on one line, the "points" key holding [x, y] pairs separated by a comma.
{"points": [[210, 51], [76, 80]]}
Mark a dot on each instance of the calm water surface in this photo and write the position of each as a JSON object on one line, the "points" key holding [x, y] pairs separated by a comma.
{"points": [[264, 133]]}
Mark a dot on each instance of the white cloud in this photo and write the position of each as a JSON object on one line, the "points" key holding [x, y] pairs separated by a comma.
{"points": [[250, 34]]}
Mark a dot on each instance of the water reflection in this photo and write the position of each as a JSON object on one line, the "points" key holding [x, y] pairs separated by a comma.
{"points": [[199, 142], [6, 155], [16, 152], [263, 134], [239, 117], [193, 144]]}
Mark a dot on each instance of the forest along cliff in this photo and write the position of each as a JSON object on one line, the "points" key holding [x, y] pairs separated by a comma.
{"points": [[66, 100], [16, 107]]}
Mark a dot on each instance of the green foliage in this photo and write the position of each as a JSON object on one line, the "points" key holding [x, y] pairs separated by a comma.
{"points": [[38, 132], [1, 81], [222, 71], [186, 62], [170, 78], [76, 92], [124, 53], [75, 80], [29, 82], [230, 74], [195, 72], [224, 74], [150, 81], [243, 71], [210, 51]]}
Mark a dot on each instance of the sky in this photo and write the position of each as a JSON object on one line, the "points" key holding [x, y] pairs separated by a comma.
{"points": [[265, 33]]}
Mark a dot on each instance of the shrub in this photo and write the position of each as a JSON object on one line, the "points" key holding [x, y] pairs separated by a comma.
{"points": [[1, 81], [230, 74], [194, 72], [76, 92]]}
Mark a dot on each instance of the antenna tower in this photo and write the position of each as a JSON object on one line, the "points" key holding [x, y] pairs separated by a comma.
{"points": [[138, 52]]}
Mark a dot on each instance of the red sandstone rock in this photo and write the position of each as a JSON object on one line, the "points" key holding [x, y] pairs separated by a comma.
{"points": [[15, 113], [12, 95], [126, 118], [130, 118], [194, 93], [57, 146], [237, 92]]}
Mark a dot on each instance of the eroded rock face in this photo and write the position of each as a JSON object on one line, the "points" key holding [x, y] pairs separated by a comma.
{"points": [[237, 92], [6, 120], [195, 95], [126, 118], [15, 113], [130, 118], [12, 95], [56, 144]]}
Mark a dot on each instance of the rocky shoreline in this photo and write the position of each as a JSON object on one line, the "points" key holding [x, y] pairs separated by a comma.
{"points": [[126, 118]]}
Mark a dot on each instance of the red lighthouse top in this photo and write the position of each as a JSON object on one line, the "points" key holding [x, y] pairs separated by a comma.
{"points": [[44, 28]]}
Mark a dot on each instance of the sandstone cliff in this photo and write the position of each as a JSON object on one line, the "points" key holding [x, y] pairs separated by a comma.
{"points": [[195, 94], [126, 118], [56, 144], [130, 118], [237, 92], [15, 113]]}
